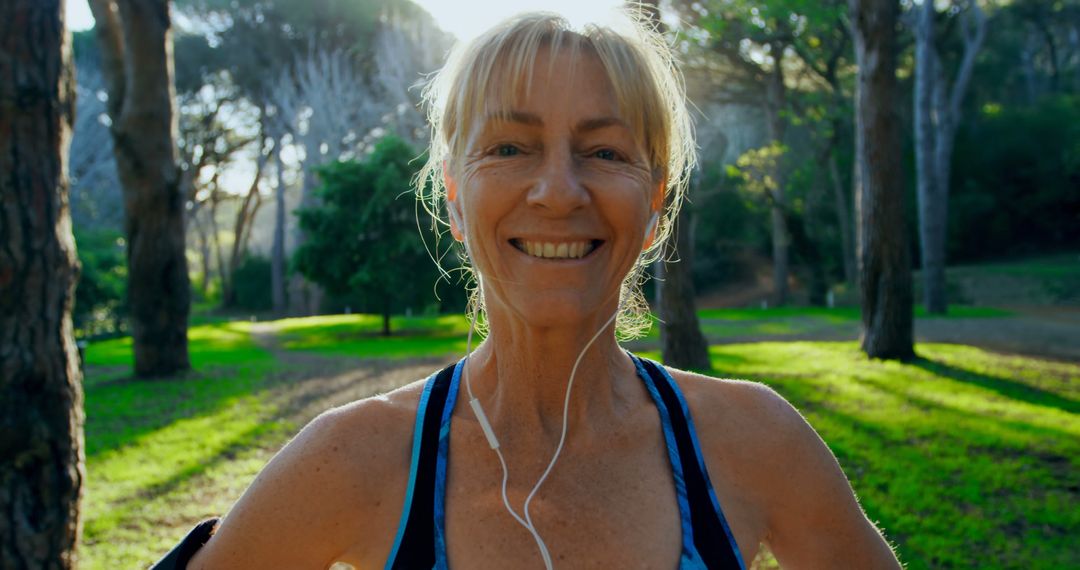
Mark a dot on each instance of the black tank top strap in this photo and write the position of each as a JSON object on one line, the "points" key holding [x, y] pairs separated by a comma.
{"points": [[414, 546], [712, 537]]}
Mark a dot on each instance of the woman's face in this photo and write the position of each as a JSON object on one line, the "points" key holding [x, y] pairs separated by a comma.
{"points": [[554, 201]]}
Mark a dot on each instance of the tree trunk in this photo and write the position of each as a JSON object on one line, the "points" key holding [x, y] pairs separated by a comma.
{"points": [[781, 246], [136, 49], [41, 415], [682, 343], [937, 116], [204, 253], [277, 256], [215, 238], [885, 292], [775, 101], [930, 193], [843, 215], [245, 218], [386, 319]]}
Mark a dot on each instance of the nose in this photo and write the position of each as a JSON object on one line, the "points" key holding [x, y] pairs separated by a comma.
{"points": [[558, 188]]}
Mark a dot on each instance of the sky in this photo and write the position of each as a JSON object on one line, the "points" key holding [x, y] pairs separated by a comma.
{"points": [[463, 18]]}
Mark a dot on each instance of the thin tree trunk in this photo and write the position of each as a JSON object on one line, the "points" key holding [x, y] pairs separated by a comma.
{"points": [[843, 215], [781, 247], [136, 48], [775, 102], [204, 255], [931, 204], [41, 400], [682, 343], [885, 292], [219, 253], [277, 256], [937, 116], [245, 217]]}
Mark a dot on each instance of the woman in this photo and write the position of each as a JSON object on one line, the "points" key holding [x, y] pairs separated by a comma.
{"points": [[560, 158]]}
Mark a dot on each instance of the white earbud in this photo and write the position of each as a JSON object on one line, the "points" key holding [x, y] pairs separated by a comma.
{"points": [[653, 221]]}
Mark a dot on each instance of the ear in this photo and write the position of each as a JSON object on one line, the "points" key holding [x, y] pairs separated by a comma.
{"points": [[656, 206], [452, 206]]}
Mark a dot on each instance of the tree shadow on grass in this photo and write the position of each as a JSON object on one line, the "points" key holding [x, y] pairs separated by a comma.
{"points": [[296, 401], [1006, 387], [918, 491]]}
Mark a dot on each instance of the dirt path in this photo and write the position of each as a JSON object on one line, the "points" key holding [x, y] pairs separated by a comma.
{"points": [[309, 383], [1051, 332], [1046, 332]]}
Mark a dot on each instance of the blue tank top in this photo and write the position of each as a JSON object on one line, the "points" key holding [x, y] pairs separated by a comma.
{"points": [[707, 542]]}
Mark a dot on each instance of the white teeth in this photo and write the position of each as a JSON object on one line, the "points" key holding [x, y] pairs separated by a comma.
{"points": [[550, 250]]}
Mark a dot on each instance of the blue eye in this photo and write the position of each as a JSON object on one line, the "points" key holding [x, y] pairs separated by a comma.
{"points": [[506, 150], [606, 154]]}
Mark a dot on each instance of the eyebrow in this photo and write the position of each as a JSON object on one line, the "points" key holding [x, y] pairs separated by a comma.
{"points": [[532, 119]]}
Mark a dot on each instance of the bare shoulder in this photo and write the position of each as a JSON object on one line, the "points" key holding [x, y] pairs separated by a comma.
{"points": [[755, 441], [342, 477], [752, 414]]}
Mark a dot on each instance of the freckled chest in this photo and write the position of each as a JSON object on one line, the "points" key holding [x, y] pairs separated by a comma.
{"points": [[608, 504]]}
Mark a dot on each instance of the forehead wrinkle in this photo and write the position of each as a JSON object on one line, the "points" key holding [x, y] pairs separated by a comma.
{"points": [[595, 124], [514, 116]]}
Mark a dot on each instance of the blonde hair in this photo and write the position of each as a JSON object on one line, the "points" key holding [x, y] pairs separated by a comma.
{"points": [[487, 75]]}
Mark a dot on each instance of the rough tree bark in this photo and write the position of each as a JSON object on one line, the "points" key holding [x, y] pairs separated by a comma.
{"points": [[136, 49], [41, 417], [885, 293], [682, 343], [937, 116]]}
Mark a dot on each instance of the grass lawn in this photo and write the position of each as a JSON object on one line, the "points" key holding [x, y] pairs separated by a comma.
{"points": [[160, 453], [361, 335], [966, 458]]}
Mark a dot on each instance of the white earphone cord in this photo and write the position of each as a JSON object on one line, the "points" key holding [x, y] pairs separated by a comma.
{"points": [[489, 433]]}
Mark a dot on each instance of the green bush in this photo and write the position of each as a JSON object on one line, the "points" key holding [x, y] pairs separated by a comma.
{"points": [[1015, 175], [100, 294], [251, 283]]}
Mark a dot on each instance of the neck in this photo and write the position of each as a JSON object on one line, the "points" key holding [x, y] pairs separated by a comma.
{"points": [[520, 375]]}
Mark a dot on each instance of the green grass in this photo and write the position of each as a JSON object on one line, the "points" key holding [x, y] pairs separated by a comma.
{"points": [[1045, 280], [966, 458], [755, 323], [361, 335], [150, 442]]}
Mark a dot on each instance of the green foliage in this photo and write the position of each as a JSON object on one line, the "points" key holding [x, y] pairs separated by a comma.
{"points": [[100, 295], [757, 169], [363, 237], [251, 284], [1015, 178]]}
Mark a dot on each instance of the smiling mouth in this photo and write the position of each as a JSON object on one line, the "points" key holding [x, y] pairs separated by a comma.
{"points": [[552, 250]]}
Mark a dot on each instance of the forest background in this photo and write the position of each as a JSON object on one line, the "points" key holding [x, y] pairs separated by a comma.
{"points": [[299, 272]]}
